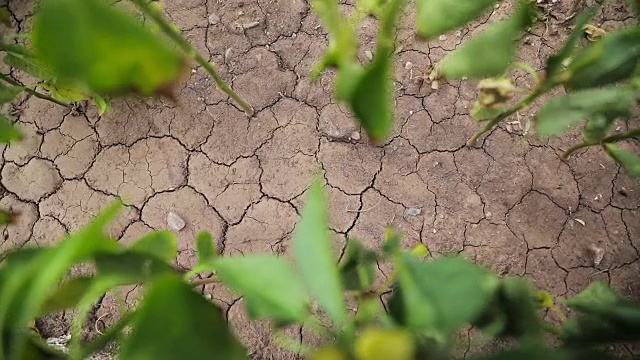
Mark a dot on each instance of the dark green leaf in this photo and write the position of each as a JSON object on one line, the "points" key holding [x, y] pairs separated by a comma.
{"points": [[490, 53], [629, 160], [5, 16], [357, 266], [443, 294], [173, 322], [66, 296], [94, 43], [131, 267], [481, 113], [8, 132], [268, 284], [559, 113], [160, 244], [598, 126], [554, 63], [8, 92], [612, 59], [435, 17], [314, 260]]}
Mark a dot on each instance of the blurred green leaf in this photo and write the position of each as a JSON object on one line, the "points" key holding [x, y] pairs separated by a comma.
{"points": [[94, 43], [66, 91], [628, 160], [206, 247], [357, 266], [160, 244], [8, 92], [598, 126], [23, 60], [268, 284], [491, 52], [314, 260], [481, 113], [443, 294], [5, 16], [173, 322], [8, 131], [607, 317], [66, 295], [554, 63], [102, 104], [612, 59], [343, 42], [559, 113], [131, 267], [435, 17]]}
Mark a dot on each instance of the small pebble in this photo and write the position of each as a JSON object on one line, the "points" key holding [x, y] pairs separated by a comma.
{"points": [[408, 65], [488, 214], [413, 212], [368, 54], [598, 254], [214, 19], [442, 37], [355, 135], [175, 222]]}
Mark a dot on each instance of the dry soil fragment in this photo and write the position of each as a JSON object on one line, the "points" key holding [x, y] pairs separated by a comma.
{"points": [[193, 209], [136, 173], [229, 189], [47, 231], [537, 220], [32, 181], [352, 176], [22, 151], [496, 247], [75, 205], [44, 114], [16, 235], [545, 273]]}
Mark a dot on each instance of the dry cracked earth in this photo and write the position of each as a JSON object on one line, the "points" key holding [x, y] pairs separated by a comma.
{"points": [[509, 203]]}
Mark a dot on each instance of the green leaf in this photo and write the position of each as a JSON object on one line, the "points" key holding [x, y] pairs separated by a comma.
{"points": [[314, 260], [131, 267], [8, 132], [598, 126], [554, 63], [443, 294], [94, 43], [8, 92], [612, 59], [5, 16], [490, 53], [173, 322], [597, 295], [557, 114], [102, 104], [207, 251], [481, 113], [435, 17], [21, 58], [628, 160], [66, 91], [160, 244], [66, 296], [357, 266], [268, 284]]}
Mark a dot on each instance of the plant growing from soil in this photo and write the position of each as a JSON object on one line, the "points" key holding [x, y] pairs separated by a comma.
{"points": [[81, 50], [602, 78], [414, 314]]}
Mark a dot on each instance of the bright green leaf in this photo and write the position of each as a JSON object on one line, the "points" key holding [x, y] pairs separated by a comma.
{"points": [[92, 42], [66, 91], [268, 284], [206, 247], [173, 322], [612, 59], [102, 104], [490, 53], [435, 17], [314, 260], [628, 160], [160, 244], [443, 294], [8, 132], [559, 113]]}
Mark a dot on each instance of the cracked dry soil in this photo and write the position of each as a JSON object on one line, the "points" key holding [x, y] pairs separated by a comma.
{"points": [[509, 203]]}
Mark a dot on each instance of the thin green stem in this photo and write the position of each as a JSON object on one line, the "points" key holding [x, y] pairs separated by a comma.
{"points": [[609, 139], [512, 110], [32, 91], [175, 35]]}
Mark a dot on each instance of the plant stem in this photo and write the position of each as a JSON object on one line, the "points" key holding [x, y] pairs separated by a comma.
{"points": [[205, 281], [609, 139], [32, 91], [176, 36], [512, 110]]}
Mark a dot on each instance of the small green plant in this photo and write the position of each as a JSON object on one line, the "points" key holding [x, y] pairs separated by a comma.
{"points": [[81, 50], [426, 301], [602, 77]]}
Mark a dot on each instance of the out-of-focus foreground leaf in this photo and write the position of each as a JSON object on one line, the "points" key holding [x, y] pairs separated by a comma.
{"points": [[435, 17], [629, 160], [94, 43]]}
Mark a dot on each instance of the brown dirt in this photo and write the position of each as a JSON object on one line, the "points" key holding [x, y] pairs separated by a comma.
{"points": [[509, 203]]}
